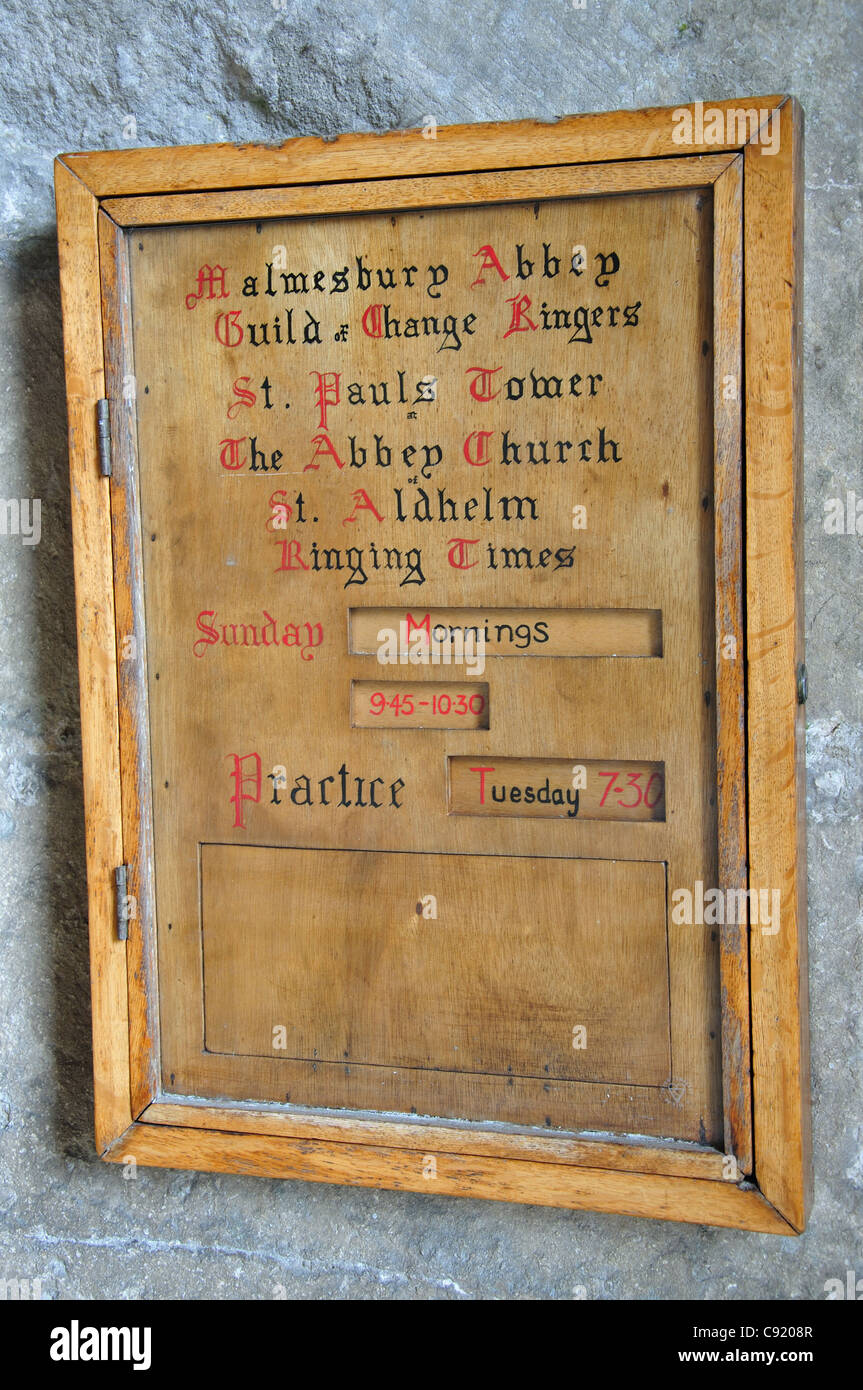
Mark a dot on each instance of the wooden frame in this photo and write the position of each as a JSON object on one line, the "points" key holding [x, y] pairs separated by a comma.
{"points": [[762, 1181]]}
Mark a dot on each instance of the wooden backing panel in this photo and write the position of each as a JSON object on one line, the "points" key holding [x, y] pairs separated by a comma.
{"points": [[641, 175], [336, 961], [131, 642], [730, 655], [506, 1180], [628, 711], [774, 558], [643, 134], [631, 1155], [94, 602]]}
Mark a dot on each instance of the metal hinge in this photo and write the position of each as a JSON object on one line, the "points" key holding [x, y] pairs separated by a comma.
{"points": [[121, 879], [103, 434]]}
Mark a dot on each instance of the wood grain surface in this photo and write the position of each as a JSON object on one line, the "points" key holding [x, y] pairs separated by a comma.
{"points": [[179, 549], [77, 212], [620, 135], [686, 1199], [561, 971], [773, 251], [370, 521]]}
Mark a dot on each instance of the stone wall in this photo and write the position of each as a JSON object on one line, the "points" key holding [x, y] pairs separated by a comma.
{"points": [[78, 76]]}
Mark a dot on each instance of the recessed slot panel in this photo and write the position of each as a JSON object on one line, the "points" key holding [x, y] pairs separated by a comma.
{"points": [[455, 634]]}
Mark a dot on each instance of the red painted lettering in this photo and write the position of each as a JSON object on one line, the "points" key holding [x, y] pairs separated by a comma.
{"points": [[480, 387], [244, 397], [229, 330], [520, 304], [458, 554], [240, 779], [362, 503], [211, 278], [477, 453], [230, 455], [489, 262], [323, 445], [482, 771], [326, 393]]}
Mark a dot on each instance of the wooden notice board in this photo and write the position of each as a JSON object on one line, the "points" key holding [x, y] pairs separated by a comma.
{"points": [[436, 508]]}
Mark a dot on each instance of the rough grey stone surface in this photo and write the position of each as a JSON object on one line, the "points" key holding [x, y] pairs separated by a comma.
{"points": [[81, 76]]}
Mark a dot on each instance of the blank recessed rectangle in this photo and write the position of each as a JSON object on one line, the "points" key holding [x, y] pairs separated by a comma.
{"points": [[551, 968], [515, 631]]}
